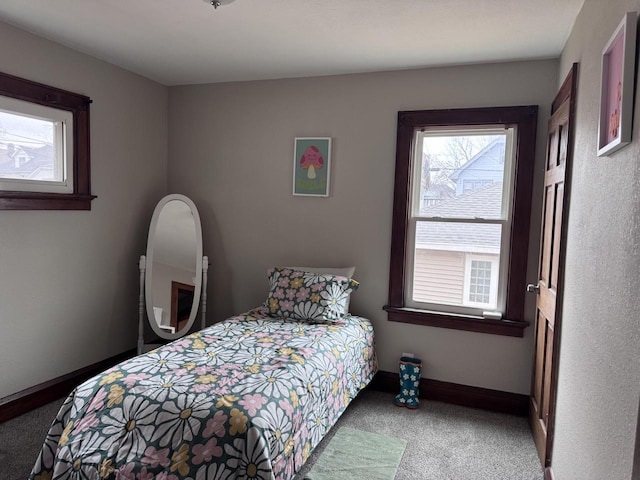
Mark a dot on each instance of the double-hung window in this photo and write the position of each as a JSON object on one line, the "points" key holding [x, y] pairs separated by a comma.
{"points": [[461, 218]]}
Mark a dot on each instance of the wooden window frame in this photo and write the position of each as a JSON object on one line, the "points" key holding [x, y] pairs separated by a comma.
{"points": [[78, 105], [524, 118]]}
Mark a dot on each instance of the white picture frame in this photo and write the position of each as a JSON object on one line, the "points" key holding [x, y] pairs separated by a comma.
{"points": [[617, 86]]}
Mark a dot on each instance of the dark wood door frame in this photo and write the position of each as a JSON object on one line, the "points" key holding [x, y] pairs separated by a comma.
{"points": [[176, 289], [565, 98]]}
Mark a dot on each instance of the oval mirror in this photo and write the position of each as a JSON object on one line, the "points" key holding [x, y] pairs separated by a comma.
{"points": [[173, 276]]}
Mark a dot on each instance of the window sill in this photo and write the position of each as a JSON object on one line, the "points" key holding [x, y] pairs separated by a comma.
{"points": [[510, 328], [44, 201]]}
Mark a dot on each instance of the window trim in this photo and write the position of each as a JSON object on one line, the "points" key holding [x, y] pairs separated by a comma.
{"points": [[524, 118], [78, 105]]}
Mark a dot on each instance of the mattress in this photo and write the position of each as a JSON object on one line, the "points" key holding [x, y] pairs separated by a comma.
{"points": [[247, 398]]}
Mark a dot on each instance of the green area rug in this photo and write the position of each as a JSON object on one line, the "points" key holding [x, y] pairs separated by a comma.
{"points": [[354, 455]]}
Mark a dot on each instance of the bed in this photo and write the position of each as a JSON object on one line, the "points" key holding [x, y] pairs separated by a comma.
{"points": [[247, 398]]}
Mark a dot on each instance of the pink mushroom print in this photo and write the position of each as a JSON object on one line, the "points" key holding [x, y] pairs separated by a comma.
{"points": [[311, 160]]}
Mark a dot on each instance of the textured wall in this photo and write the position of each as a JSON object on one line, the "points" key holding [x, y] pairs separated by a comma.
{"points": [[599, 377], [231, 149], [73, 276]]}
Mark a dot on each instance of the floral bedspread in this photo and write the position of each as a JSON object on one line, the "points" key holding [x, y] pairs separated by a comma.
{"points": [[248, 398]]}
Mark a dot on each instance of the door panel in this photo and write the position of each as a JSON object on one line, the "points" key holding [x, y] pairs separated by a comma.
{"points": [[555, 257], [545, 264], [546, 398], [539, 366]]}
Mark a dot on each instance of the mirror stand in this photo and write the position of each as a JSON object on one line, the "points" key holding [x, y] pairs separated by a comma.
{"points": [[145, 347]]}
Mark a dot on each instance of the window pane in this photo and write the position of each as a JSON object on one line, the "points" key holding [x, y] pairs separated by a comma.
{"points": [[480, 282], [462, 176], [28, 149], [442, 272]]}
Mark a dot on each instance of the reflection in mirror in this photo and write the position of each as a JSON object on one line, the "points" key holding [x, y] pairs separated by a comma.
{"points": [[181, 304], [173, 276]]}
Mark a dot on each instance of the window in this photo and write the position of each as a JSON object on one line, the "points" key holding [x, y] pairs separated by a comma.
{"points": [[461, 218], [36, 148], [481, 282], [469, 170], [44, 147]]}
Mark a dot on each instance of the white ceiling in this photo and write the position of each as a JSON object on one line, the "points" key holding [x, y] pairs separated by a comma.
{"points": [[188, 41]]}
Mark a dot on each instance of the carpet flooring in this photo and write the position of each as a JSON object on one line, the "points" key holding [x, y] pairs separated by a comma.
{"points": [[444, 442]]}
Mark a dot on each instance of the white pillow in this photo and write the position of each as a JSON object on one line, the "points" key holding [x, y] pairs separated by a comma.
{"points": [[342, 272]]}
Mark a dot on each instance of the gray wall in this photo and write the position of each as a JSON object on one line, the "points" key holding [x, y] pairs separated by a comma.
{"points": [[599, 377], [69, 284], [231, 149]]}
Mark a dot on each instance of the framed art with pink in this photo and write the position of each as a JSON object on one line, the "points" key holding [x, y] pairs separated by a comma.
{"points": [[616, 88], [311, 166]]}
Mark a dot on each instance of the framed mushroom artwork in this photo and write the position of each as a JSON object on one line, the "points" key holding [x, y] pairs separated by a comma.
{"points": [[311, 166], [616, 87]]}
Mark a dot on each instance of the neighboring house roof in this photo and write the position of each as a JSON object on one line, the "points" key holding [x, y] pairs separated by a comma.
{"points": [[462, 237], [485, 202], [467, 237], [40, 159]]}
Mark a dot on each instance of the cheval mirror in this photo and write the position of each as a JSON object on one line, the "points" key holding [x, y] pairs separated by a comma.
{"points": [[173, 274]]}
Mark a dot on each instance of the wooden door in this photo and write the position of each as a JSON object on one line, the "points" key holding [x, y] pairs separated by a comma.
{"points": [[551, 262], [181, 304]]}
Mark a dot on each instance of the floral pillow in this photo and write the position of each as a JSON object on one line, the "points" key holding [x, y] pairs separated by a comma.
{"points": [[308, 296]]}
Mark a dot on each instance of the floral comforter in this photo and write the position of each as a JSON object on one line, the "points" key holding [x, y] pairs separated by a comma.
{"points": [[248, 398]]}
